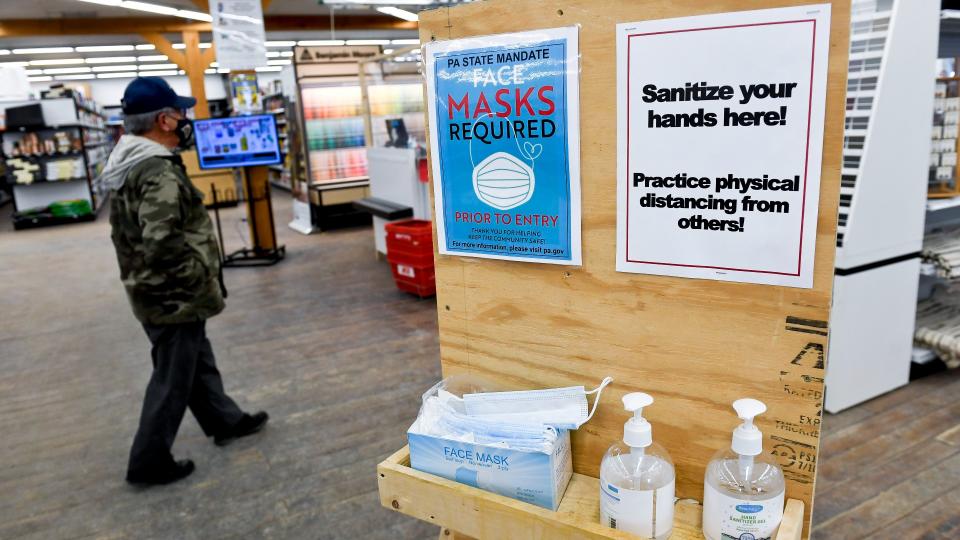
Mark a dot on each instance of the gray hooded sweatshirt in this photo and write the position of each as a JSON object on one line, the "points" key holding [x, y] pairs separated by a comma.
{"points": [[130, 150]]}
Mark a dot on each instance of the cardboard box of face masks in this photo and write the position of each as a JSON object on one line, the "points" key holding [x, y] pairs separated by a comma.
{"points": [[534, 477]]}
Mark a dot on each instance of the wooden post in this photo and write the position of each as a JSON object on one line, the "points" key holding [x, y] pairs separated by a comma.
{"points": [[192, 60], [195, 68]]}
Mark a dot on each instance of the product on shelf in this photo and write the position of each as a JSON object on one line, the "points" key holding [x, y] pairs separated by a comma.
{"points": [[338, 164]]}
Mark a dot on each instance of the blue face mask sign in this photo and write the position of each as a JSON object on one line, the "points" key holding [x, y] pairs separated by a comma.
{"points": [[504, 128]]}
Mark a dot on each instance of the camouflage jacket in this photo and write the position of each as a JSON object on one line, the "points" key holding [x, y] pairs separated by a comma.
{"points": [[168, 254]]}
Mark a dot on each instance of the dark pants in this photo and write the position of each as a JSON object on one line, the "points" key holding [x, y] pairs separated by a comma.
{"points": [[184, 375]]}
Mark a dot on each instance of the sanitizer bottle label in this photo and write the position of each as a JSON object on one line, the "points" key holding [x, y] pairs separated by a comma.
{"points": [[644, 513], [730, 518]]}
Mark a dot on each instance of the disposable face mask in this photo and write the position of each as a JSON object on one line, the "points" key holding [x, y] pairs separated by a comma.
{"points": [[447, 422], [562, 408], [184, 133]]}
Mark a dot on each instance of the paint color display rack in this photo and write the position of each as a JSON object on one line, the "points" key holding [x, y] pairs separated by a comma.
{"points": [[528, 326], [334, 125], [54, 185]]}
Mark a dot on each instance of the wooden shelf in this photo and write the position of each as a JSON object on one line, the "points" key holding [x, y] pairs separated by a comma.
{"points": [[467, 512]]}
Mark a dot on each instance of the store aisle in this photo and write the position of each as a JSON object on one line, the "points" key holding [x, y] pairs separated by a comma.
{"points": [[323, 341]]}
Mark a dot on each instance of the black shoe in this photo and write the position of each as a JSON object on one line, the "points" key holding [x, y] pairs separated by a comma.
{"points": [[167, 475], [248, 425]]}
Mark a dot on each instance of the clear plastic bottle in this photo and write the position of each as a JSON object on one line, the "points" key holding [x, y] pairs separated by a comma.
{"points": [[637, 479], [743, 489]]}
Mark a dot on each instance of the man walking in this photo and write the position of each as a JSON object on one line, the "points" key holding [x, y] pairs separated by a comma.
{"points": [[170, 267]]}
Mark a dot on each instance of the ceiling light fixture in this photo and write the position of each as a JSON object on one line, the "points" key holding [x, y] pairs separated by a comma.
{"points": [[146, 47], [368, 42], [399, 13], [158, 66], [280, 43], [404, 41], [152, 58], [44, 50], [153, 8], [128, 74], [286, 53], [105, 48], [381, 2], [320, 42], [42, 78], [112, 60], [278, 62], [125, 67], [57, 71], [161, 73], [75, 77], [56, 62], [200, 45], [269, 68]]}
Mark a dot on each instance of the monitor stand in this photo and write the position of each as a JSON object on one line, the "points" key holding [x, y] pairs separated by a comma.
{"points": [[265, 251]]}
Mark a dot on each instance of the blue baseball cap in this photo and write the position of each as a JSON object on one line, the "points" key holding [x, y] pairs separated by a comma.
{"points": [[148, 94]]}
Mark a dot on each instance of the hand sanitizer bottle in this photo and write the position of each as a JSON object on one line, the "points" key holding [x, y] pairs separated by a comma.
{"points": [[637, 478], [743, 488]]}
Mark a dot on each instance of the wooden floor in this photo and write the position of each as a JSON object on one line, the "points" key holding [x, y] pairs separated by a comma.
{"points": [[339, 358]]}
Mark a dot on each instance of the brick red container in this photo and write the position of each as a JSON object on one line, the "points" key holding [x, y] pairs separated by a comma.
{"points": [[410, 253]]}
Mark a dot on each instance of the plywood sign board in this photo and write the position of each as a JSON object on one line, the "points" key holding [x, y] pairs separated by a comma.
{"points": [[696, 345]]}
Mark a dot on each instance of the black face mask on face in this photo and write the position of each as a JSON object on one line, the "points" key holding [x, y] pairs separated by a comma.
{"points": [[184, 132]]}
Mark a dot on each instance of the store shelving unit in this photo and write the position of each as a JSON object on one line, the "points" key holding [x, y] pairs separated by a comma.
{"points": [[333, 128], [279, 105], [57, 163], [886, 154], [946, 116]]}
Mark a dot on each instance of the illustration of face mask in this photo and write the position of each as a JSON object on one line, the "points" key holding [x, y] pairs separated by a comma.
{"points": [[562, 408], [503, 181]]}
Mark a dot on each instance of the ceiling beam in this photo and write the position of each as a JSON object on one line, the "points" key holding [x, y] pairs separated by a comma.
{"points": [[138, 25]]}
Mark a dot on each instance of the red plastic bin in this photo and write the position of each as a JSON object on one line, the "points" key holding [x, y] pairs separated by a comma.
{"points": [[417, 279], [410, 241]]}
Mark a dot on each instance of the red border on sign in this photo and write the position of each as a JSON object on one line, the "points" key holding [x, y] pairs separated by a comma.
{"points": [[806, 159]]}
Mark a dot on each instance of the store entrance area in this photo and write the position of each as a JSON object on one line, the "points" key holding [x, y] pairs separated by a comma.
{"points": [[335, 353]]}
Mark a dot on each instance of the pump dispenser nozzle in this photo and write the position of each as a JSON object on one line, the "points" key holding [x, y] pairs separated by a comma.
{"points": [[747, 439], [637, 432]]}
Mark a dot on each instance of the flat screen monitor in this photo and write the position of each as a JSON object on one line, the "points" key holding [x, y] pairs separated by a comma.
{"points": [[237, 141]]}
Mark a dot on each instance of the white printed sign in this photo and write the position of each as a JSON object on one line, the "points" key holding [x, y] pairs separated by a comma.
{"points": [[238, 34], [720, 135]]}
